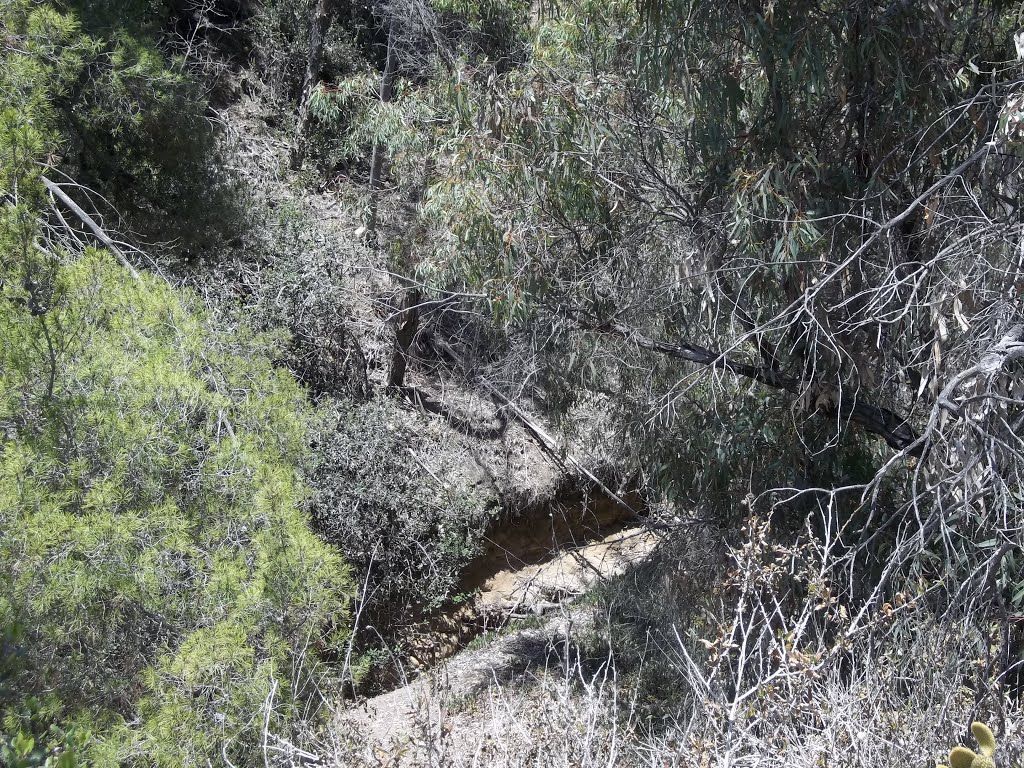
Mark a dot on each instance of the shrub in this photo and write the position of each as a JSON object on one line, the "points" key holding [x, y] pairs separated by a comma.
{"points": [[122, 116], [300, 291], [139, 132], [375, 501], [156, 562], [160, 588], [281, 32]]}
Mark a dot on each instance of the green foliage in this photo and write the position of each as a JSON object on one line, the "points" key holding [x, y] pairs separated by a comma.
{"points": [[415, 530], [127, 119], [45, 66], [160, 587], [333, 105], [350, 117], [487, 30], [281, 36], [142, 136], [518, 194], [689, 170], [30, 739], [161, 560], [104, 16]]}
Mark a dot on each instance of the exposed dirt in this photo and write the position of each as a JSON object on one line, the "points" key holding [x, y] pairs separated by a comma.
{"points": [[556, 553], [534, 566], [537, 588], [534, 563], [425, 716]]}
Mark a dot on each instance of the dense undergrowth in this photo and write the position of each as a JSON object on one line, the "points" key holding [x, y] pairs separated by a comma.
{"points": [[757, 263], [163, 598]]}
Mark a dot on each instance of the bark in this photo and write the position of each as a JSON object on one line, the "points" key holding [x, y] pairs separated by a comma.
{"points": [[95, 228], [387, 92], [409, 324], [317, 31]]}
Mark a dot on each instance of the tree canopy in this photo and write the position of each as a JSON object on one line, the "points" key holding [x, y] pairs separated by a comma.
{"points": [[775, 248], [788, 222], [159, 581]]}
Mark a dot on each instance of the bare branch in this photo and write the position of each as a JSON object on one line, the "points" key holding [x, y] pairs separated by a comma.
{"points": [[95, 228], [890, 426]]}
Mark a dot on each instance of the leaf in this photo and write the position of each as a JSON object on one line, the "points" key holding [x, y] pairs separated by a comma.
{"points": [[23, 744], [958, 313], [961, 757], [1018, 597]]}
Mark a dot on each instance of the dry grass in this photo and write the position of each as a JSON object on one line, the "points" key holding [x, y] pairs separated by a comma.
{"points": [[742, 657], [888, 703]]}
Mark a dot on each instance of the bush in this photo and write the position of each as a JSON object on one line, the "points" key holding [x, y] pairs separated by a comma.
{"points": [[375, 500], [162, 579], [300, 291], [161, 592], [281, 32], [124, 117], [140, 134]]}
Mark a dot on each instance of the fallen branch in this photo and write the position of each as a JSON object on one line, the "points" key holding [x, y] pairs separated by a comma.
{"points": [[552, 446], [95, 228]]}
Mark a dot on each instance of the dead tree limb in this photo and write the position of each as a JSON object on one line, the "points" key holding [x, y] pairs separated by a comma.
{"points": [[890, 426], [95, 228]]}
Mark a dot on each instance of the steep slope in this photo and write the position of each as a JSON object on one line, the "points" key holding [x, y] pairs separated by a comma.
{"points": [[539, 533]]}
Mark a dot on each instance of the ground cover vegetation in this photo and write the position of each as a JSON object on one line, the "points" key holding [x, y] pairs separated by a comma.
{"points": [[768, 253]]}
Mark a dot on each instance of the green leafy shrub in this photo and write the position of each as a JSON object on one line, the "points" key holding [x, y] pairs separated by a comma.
{"points": [[161, 591], [375, 500], [156, 560], [140, 134], [30, 739], [124, 117], [281, 33]]}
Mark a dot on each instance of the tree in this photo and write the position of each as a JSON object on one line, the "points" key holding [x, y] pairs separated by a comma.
{"points": [[133, 121], [779, 243], [318, 25], [160, 587]]}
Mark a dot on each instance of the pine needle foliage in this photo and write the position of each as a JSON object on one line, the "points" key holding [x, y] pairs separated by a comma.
{"points": [[161, 591]]}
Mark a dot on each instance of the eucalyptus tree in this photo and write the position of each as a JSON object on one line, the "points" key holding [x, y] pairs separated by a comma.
{"points": [[319, 22], [780, 243]]}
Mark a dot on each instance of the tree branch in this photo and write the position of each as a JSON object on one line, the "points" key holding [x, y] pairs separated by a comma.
{"points": [[95, 228], [876, 420]]}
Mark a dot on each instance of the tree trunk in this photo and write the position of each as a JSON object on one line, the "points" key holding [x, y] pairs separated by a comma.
{"points": [[317, 31], [406, 332], [387, 89]]}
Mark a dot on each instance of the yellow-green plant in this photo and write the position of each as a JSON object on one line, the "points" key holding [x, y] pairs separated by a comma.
{"points": [[962, 757], [161, 590]]}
